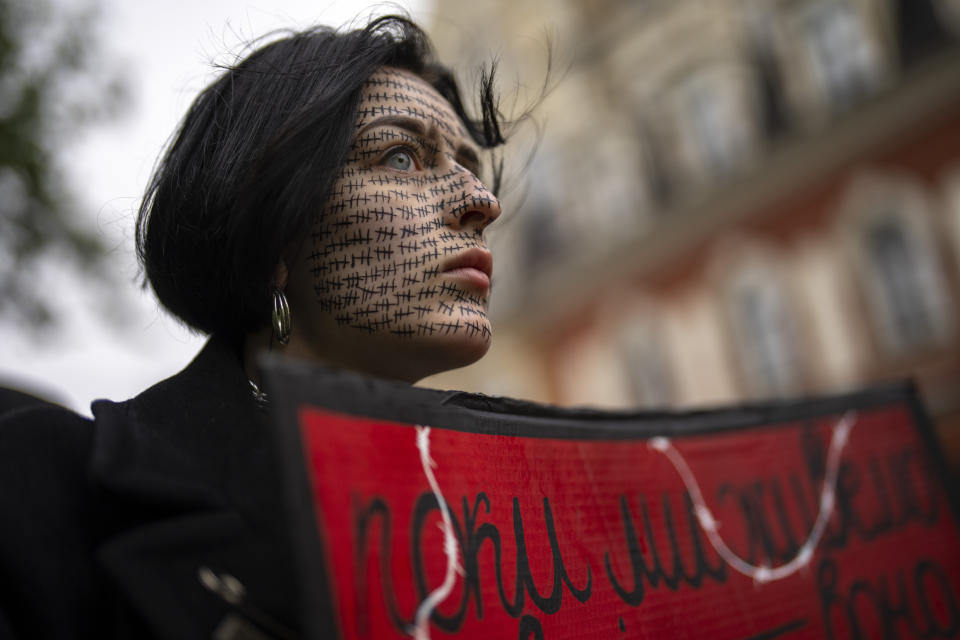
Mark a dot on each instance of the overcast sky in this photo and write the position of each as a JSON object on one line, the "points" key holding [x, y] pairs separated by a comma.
{"points": [[166, 49]]}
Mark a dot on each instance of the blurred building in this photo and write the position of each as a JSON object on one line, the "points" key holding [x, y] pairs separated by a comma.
{"points": [[731, 200]]}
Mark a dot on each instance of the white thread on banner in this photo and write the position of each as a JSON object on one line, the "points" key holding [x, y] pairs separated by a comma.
{"points": [[762, 574], [421, 622]]}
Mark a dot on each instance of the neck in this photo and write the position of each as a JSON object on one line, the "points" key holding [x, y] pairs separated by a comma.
{"points": [[260, 342]]}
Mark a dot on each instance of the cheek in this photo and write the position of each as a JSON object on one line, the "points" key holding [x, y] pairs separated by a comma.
{"points": [[377, 252]]}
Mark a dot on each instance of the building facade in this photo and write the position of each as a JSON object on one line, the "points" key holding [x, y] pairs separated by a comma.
{"points": [[730, 200]]}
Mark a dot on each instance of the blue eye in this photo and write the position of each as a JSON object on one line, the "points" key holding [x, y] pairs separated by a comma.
{"points": [[399, 159]]}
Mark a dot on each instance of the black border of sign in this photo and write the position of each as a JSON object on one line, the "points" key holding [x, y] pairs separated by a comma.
{"points": [[294, 384]]}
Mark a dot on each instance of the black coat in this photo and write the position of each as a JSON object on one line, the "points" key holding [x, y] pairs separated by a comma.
{"points": [[111, 526]]}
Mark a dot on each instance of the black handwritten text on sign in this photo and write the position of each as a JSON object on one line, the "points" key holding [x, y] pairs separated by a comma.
{"points": [[560, 537]]}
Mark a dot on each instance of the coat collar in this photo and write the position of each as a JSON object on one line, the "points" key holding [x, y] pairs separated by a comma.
{"points": [[189, 471], [187, 439]]}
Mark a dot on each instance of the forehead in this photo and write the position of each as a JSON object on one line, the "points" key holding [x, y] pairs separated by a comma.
{"points": [[397, 92]]}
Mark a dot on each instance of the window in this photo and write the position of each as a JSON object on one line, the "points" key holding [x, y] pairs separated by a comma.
{"points": [[648, 378], [712, 113], [711, 121], [843, 58], [951, 193], [765, 337], [893, 232], [949, 13], [907, 289]]}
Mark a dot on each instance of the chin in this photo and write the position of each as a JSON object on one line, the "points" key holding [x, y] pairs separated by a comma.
{"points": [[464, 351], [445, 353], [409, 358]]}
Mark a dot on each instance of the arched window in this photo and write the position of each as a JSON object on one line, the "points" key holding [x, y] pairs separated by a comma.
{"points": [[765, 334], [842, 56], [643, 358], [717, 115], [951, 198], [899, 263], [907, 291], [904, 285], [949, 14]]}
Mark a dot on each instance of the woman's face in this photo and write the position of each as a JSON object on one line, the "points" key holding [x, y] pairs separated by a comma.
{"points": [[395, 277]]}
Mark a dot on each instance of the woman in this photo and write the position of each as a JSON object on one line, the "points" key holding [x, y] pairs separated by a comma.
{"points": [[320, 200]]}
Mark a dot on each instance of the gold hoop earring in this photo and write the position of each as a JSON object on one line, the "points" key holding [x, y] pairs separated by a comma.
{"points": [[282, 323]]}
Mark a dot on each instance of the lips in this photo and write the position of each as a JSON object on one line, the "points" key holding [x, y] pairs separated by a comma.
{"points": [[473, 267]]}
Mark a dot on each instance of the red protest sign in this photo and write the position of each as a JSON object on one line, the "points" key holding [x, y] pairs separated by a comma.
{"points": [[807, 520]]}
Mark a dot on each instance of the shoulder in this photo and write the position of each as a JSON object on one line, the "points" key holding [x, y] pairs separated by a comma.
{"points": [[46, 499], [42, 437], [44, 460], [176, 428], [44, 454]]}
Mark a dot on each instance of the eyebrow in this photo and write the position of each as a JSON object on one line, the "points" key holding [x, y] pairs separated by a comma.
{"points": [[410, 124], [468, 158]]}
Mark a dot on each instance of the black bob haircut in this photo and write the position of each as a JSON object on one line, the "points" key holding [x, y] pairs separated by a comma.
{"points": [[255, 157]]}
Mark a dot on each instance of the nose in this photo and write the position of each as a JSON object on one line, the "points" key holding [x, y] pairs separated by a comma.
{"points": [[476, 207]]}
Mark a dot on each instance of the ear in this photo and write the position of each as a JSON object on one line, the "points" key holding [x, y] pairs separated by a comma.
{"points": [[280, 274]]}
